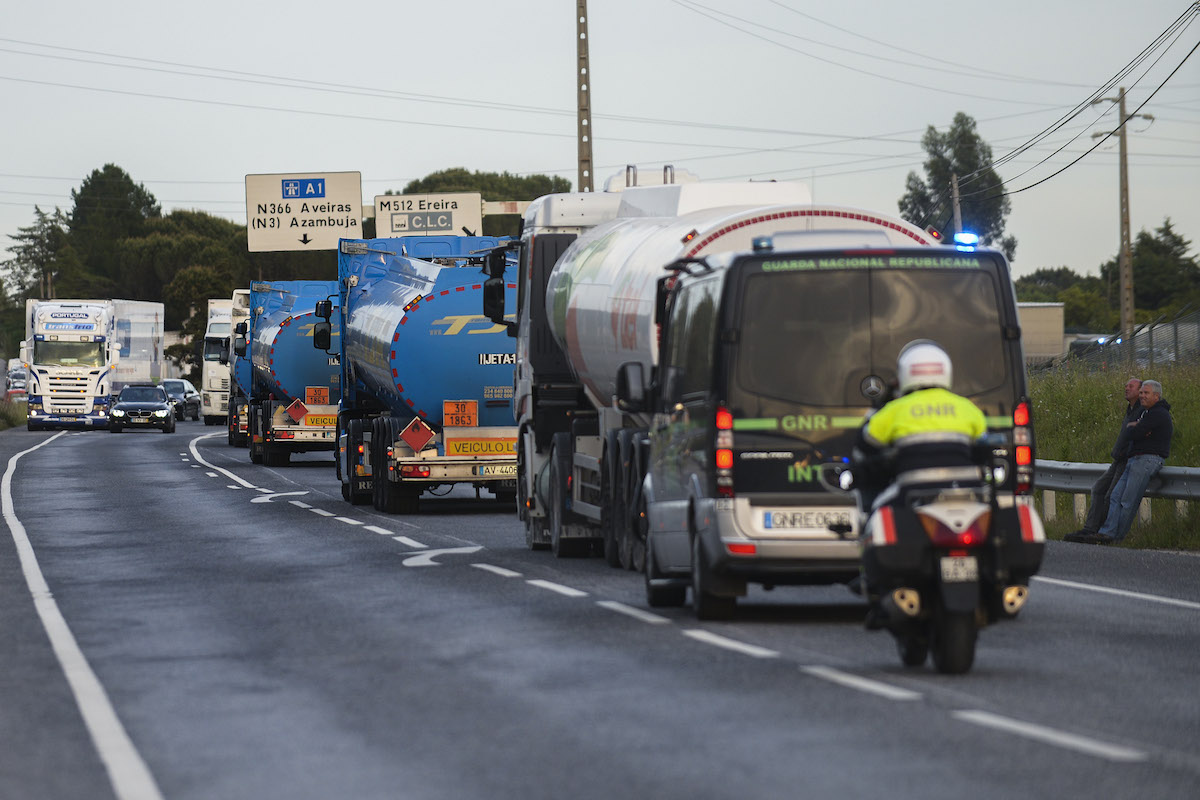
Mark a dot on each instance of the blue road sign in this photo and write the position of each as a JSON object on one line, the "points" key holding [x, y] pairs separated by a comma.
{"points": [[303, 188]]}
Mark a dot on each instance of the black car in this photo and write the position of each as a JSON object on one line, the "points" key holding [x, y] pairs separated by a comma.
{"points": [[185, 398], [142, 405]]}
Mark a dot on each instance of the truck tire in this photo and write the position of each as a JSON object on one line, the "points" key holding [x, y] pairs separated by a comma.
{"points": [[354, 438], [610, 477], [560, 467], [387, 496], [276, 456], [256, 450]]}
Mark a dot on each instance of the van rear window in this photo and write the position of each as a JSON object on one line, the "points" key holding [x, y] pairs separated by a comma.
{"points": [[811, 337]]}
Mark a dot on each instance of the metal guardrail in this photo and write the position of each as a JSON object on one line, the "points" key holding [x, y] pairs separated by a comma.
{"points": [[1172, 483]]}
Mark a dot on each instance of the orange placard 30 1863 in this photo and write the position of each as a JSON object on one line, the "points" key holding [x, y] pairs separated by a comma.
{"points": [[460, 413]]}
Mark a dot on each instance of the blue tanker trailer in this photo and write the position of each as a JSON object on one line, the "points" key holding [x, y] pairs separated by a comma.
{"points": [[427, 379], [294, 391]]}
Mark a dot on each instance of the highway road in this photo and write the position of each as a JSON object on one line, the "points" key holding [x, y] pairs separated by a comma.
{"points": [[180, 623]]}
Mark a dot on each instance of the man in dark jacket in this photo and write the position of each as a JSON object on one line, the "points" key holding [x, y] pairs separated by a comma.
{"points": [[1102, 488], [1149, 446]]}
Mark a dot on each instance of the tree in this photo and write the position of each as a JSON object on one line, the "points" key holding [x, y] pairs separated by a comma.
{"points": [[492, 186], [37, 255], [959, 151], [108, 207], [1163, 272], [1044, 285]]}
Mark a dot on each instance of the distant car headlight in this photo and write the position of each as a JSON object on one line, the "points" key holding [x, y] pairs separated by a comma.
{"points": [[116, 412], [162, 412]]}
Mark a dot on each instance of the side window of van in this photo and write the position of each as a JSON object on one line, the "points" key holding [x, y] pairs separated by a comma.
{"points": [[673, 358], [701, 309]]}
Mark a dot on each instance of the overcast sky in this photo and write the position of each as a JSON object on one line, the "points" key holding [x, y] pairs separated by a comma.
{"points": [[189, 98]]}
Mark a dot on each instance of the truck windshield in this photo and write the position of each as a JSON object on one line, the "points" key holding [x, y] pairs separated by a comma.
{"points": [[811, 337], [214, 349], [68, 354]]}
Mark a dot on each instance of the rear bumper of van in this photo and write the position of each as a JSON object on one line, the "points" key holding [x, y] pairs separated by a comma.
{"points": [[780, 540]]}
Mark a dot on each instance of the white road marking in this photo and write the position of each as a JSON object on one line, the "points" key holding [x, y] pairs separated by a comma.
{"points": [[632, 611], [1153, 598], [196, 455], [379, 530], [425, 559], [349, 521], [185, 455], [211, 474], [730, 644], [1070, 741], [860, 683], [404, 540], [234, 486], [501, 571], [264, 491], [322, 512], [127, 772], [269, 496], [299, 503], [557, 587]]}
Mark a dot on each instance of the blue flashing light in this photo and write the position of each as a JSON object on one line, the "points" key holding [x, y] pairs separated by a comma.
{"points": [[1101, 340], [966, 238], [1118, 341]]}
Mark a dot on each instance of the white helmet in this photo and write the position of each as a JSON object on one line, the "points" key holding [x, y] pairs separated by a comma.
{"points": [[923, 364]]}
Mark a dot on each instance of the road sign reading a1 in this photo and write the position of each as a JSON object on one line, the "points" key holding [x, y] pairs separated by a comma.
{"points": [[428, 214], [302, 211]]}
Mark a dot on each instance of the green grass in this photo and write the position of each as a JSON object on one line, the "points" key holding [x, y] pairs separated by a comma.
{"points": [[12, 415], [1076, 415]]}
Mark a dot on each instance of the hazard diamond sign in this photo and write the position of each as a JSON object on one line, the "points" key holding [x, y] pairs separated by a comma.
{"points": [[416, 435]]}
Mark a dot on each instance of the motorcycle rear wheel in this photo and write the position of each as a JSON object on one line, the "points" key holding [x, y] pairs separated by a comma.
{"points": [[953, 642]]}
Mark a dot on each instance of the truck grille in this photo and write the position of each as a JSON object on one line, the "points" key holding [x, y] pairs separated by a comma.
{"points": [[225, 384]]}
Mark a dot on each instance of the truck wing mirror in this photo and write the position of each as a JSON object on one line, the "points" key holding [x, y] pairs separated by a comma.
{"points": [[324, 309], [240, 330], [493, 304], [24, 354], [631, 387], [239, 343], [322, 333], [496, 262], [223, 357]]}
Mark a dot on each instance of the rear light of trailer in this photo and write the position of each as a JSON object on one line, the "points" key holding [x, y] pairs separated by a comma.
{"points": [[413, 471]]}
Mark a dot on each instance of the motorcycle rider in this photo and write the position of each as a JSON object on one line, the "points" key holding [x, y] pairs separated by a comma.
{"points": [[927, 426]]}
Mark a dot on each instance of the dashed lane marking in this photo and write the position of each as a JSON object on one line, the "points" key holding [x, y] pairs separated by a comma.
{"points": [[730, 644], [322, 512], [860, 683], [557, 587], [632, 611], [1069, 741], [404, 540], [501, 571], [379, 530], [349, 521], [299, 503], [211, 474]]}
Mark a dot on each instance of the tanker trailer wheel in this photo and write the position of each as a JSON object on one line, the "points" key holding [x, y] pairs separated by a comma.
{"points": [[560, 467], [255, 426], [536, 533], [354, 437], [387, 496], [276, 456], [610, 478]]}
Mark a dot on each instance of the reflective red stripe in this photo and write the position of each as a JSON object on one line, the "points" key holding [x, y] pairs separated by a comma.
{"points": [[1024, 516], [888, 521]]}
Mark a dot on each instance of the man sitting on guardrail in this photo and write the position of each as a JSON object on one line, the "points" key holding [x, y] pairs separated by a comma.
{"points": [[1102, 488], [1149, 446]]}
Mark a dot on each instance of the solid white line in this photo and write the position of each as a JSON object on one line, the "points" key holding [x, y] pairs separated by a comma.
{"points": [[557, 587], [1154, 598], [322, 512], [404, 540], [501, 571], [349, 521], [1070, 741], [730, 644], [196, 455], [377, 529], [299, 504], [862, 684], [127, 772], [631, 611]]}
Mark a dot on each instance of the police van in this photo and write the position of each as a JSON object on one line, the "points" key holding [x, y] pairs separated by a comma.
{"points": [[770, 361]]}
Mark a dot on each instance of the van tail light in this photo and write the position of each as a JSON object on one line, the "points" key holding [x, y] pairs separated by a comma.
{"points": [[1023, 456], [723, 453]]}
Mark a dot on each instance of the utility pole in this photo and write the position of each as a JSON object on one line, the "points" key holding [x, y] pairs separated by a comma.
{"points": [[1125, 256], [957, 208], [584, 116]]}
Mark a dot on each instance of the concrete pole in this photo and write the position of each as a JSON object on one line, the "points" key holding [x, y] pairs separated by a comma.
{"points": [[1125, 258], [584, 116], [957, 208]]}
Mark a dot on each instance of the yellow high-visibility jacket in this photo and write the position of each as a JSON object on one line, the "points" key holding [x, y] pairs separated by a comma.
{"points": [[925, 416]]}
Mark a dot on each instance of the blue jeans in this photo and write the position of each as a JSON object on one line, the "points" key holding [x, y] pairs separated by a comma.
{"points": [[1127, 495]]}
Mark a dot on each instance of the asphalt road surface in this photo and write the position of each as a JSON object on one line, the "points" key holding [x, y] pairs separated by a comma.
{"points": [[180, 623]]}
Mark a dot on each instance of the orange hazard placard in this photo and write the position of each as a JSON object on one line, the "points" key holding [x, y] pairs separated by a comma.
{"points": [[316, 395], [460, 413]]}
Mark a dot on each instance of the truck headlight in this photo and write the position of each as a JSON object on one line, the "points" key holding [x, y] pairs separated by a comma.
{"points": [[162, 412]]}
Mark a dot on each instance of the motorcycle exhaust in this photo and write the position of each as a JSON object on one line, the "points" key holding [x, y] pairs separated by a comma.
{"points": [[1014, 598], [903, 602]]}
